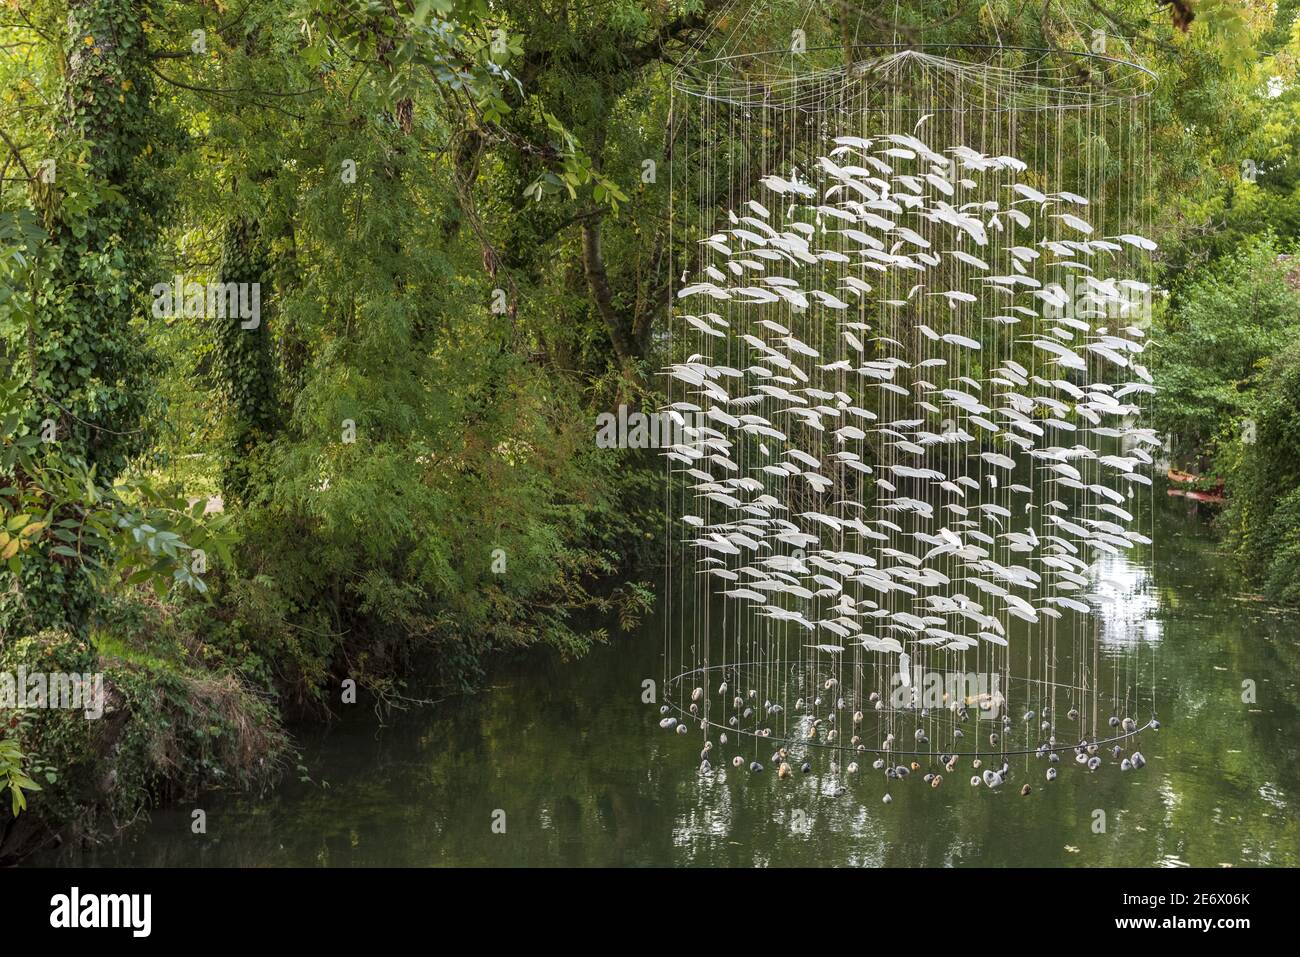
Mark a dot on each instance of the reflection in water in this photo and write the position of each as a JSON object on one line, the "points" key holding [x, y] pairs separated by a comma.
{"points": [[1125, 601], [586, 777]]}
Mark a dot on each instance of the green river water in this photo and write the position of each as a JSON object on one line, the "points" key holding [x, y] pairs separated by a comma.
{"points": [[585, 776]]}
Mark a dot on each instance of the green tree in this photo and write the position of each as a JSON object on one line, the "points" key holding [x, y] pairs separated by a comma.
{"points": [[1222, 325]]}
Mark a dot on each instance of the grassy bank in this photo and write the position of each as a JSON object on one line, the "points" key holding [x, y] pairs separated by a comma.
{"points": [[167, 730]]}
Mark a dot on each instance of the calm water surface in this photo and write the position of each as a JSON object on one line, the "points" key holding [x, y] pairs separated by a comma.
{"points": [[586, 777]]}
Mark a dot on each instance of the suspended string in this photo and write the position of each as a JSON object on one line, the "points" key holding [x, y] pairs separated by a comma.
{"points": [[803, 109]]}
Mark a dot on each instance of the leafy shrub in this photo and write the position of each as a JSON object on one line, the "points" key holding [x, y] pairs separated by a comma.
{"points": [[1213, 343], [1263, 481], [168, 729]]}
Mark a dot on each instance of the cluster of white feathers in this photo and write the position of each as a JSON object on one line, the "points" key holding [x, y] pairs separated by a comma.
{"points": [[857, 482]]}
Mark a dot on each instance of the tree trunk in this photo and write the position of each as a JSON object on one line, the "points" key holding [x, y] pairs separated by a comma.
{"points": [[245, 358], [88, 361]]}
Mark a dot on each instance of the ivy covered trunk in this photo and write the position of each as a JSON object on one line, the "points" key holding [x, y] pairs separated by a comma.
{"points": [[85, 355], [88, 352], [245, 358]]}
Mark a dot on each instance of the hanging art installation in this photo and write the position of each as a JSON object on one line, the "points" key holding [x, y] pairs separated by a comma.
{"points": [[907, 389]]}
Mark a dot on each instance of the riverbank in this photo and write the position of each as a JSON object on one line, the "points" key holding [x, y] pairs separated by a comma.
{"points": [[574, 760], [196, 695], [158, 731]]}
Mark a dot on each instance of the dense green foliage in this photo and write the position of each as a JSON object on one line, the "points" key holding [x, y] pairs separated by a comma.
{"points": [[458, 263], [1225, 321], [1224, 360], [1264, 482]]}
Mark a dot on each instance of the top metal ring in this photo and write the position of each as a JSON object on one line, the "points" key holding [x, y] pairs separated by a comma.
{"points": [[984, 77]]}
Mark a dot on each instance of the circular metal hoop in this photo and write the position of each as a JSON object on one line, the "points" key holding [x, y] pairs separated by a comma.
{"points": [[944, 717]]}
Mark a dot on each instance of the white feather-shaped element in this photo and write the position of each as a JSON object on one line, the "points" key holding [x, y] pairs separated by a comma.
{"points": [[1074, 222]]}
